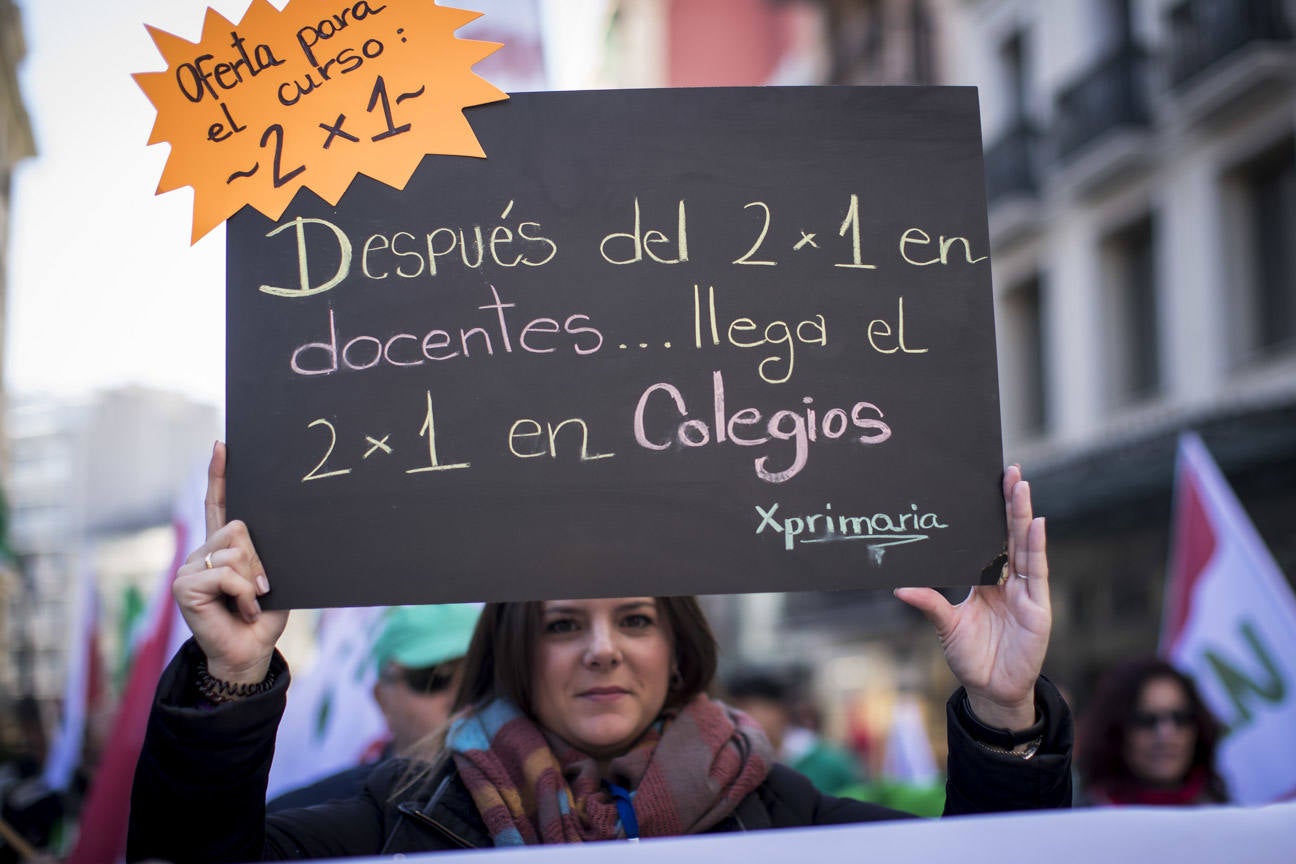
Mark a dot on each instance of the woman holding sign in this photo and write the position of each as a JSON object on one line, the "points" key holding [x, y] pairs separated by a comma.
{"points": [[577, 720]]}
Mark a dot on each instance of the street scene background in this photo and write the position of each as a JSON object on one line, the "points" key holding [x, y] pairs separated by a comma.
{"points": [[1140, 160]]}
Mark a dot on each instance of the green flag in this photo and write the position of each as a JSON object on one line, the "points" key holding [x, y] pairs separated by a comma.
{"points": [[6, 550]]}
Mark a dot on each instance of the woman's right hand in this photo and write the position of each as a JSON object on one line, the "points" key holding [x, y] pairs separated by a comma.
{"points": [[217, 589]]}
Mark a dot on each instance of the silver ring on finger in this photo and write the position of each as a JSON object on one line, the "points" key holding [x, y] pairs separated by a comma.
{"points": [[1021, 576], [207, 562]]}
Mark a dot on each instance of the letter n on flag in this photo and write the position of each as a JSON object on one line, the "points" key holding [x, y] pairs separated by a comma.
{"points": [[1230, 623]]}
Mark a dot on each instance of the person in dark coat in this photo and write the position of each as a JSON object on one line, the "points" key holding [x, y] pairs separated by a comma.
{"points": [[769, 697], [418, 656], [577, 720]]}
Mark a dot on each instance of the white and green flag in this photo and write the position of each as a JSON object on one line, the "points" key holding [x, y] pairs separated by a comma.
{"points": [[332, 722], [1230, 623]]}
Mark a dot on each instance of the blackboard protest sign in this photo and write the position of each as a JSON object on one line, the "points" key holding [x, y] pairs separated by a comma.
{"points": [[656, 342]]}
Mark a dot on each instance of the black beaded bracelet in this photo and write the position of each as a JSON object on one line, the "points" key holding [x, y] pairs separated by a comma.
{"points": [[216, 691], [999, 739], [1032, 747]]}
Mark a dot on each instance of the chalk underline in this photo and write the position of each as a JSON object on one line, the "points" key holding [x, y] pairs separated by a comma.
{"points": [[892, 539]]}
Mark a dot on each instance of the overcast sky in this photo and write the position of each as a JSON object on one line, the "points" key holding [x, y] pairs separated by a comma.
{"points": [[104, 288]]}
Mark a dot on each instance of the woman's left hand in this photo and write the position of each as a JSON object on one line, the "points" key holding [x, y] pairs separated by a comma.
{"points": [[995, 640]]}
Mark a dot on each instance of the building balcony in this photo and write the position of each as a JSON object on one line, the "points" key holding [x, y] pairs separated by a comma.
{"points": [[1010, 163], [1220, 53], [1205, 32], [1102, 122], [1110, 96], [1012, 182]]}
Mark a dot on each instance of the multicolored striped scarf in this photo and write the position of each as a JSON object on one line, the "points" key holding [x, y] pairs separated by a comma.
{"points": [[688, 771]]}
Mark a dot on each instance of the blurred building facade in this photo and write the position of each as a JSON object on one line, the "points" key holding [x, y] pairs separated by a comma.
{"points": [[93, 483], [1141, 175], [721, 43], [1139, 160], [16, 144]]}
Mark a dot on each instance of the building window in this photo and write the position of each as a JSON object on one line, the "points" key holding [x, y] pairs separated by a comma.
{"points": [[1270, 184], [924, 65], [1022, 370], [1131, 345], [1258, 220], [1012, 63], [1131, 595], [1116, 22]]}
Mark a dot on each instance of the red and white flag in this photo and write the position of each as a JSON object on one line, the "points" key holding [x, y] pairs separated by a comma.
{"points": [[1230, 623], [82, 688], [101, 834]]}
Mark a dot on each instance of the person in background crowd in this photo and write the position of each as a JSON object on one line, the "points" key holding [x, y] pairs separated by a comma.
{"points": [[908, 778], [769, 699], [1148, 738], [419, 658], [577, 720], [29, 808]]}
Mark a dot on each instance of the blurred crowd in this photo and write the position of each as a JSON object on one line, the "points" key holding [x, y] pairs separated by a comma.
{"points": [[1144, 736]]}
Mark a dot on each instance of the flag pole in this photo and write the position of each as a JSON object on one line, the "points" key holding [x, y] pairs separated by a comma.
{"points": [[14, 839]]}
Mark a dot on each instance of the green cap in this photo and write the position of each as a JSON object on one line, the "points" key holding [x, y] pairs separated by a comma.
{"points": [[420, 636]]}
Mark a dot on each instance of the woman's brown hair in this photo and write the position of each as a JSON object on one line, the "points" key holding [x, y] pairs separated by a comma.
{"points": [[501, 656], [1101, 734], [502, 652]]}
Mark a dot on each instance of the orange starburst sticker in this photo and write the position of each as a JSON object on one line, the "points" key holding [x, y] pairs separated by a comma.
{"points": [[310, 96]]}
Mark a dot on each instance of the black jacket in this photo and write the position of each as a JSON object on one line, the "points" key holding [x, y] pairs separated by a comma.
{"points": [[347, 783], [199, 791]]}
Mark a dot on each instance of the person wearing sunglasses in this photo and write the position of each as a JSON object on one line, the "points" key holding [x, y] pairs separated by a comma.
{"points": [[1148, 739], [418, 656]]}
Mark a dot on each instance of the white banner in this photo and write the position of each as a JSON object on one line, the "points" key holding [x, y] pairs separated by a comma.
{"points": [[1119, 835]]}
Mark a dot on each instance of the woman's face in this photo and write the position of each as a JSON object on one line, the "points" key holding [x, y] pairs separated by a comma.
{"points": [[1161, 735], [602, 671]]}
